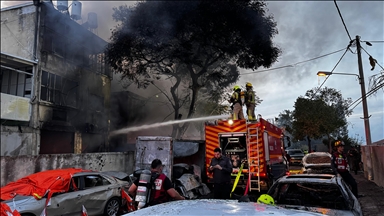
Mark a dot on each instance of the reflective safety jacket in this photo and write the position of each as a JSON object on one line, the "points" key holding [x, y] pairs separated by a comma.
{"points": [[235, 98], [159, 194], [250, 97], [340, 162]]}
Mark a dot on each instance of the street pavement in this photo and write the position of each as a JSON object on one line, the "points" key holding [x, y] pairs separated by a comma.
{"points": [[372, 201]]}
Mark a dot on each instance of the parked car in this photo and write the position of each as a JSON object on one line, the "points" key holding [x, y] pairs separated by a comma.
{"points": [[65, 191], [296, 156], [317, 163], [320, 193], [216, 207]]}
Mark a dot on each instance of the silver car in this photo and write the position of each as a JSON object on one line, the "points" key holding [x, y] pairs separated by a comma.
{"points": [[320, 193], [99, 193], [217, 207]]}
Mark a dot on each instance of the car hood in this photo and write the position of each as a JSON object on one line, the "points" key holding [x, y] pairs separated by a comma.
{"points": [[324, 211], [217, 207], [19, 199]]}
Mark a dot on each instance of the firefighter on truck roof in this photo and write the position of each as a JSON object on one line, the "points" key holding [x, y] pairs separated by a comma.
{"points": [[237, 104], [250, 102]]}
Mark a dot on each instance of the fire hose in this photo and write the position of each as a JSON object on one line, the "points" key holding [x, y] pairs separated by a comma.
{"points": [[237, 178]]}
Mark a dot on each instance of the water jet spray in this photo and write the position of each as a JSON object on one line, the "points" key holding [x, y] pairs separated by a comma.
{"points": [[160, 124]]}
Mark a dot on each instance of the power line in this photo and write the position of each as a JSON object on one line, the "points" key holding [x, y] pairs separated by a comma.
{"points": [[293, 65], [338, 10], [371, 55], [346, 50], [359, 100]]}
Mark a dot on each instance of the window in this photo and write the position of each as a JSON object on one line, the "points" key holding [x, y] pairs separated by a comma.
{"points": [[58, 90], [15, 83], [94, 181]]}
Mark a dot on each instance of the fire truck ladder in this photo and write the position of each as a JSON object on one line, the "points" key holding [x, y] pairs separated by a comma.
{"points": [[253, 158]]}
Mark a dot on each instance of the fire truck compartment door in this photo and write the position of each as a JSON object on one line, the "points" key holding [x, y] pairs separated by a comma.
{"points": [[266, 146]]}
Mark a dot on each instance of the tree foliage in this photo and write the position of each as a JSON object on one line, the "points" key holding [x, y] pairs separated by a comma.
{"points": [[320, 113], [197, 44]]}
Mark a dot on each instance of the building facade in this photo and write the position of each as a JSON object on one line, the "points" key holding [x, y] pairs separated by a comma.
{"points": [[55, 83]]}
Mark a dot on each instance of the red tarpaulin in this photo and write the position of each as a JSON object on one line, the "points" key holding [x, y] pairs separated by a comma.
{"points": [[39, 184], [6, 211]]}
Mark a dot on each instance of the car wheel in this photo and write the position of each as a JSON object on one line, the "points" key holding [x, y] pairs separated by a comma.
{"points": [[112, 207]]}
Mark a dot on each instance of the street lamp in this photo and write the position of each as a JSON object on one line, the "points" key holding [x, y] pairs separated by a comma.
{"points": [[327, 73], [363, 100]]}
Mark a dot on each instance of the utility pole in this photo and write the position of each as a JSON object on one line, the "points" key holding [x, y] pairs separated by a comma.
{"points": [[368, 152], [363, 94]]}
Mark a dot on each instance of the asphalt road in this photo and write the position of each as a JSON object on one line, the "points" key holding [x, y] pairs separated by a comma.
{"points": [[372, 202]]}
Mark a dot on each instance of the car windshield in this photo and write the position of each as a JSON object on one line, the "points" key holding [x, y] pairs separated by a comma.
{"points": [[295, 152], [310, 195]]}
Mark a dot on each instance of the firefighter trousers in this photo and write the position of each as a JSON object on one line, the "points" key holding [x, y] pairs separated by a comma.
{"points": [[237, 112], [251, 112]]}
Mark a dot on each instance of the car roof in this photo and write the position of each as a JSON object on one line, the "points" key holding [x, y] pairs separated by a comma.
{"points": [[216, 207], [317, 159], [300, 178]]}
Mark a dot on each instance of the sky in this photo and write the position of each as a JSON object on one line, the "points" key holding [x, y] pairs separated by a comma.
{"points": [[307, 30]]}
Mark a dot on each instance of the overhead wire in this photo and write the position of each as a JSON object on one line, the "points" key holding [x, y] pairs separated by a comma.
{"points": [[346, 50], [345, 26], [359, 100], [293, 65], [371, 55]]}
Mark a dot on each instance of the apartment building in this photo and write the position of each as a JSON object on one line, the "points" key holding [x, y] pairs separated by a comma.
{"points": [[55, 83]]}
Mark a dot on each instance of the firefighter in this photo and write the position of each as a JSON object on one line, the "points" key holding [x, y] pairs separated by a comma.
{"points": [[339, 166], [164, 190], [266, 199], [250, 102], [237, 104]]}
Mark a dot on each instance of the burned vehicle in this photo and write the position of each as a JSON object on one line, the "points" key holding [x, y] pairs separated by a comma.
{"points": [[64, 192], [317, 163], [217, 207], [319, 193]]}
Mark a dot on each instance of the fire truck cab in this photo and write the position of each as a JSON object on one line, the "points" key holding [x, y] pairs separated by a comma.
{"points": [[257, 145]]}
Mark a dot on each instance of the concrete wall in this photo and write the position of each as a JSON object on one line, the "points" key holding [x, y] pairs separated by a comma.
{"points": [[14, 168], [18, 31], [17, 140], [373, 160]]}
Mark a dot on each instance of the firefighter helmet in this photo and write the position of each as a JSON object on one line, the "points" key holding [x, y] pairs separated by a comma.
{"points": [[248, 84], [339, 143], [266, 199], [236, 87]]}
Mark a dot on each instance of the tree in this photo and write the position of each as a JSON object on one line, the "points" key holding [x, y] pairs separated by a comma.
{"points": [[285, 120], [197, 44], [320, 113]]}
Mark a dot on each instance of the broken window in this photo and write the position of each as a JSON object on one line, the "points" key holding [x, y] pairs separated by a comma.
{"points": [[94, 181], [310, 194], [58, 90], [16, 83]]}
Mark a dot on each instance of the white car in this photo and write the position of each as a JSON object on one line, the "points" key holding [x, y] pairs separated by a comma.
{"points": [[217, 207], [320, 193]]}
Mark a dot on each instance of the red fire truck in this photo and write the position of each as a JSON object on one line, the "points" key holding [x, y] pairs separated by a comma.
{"points": [[259, 145]]}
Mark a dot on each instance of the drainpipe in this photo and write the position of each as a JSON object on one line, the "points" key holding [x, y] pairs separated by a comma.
{"points": [[35, 94]]}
